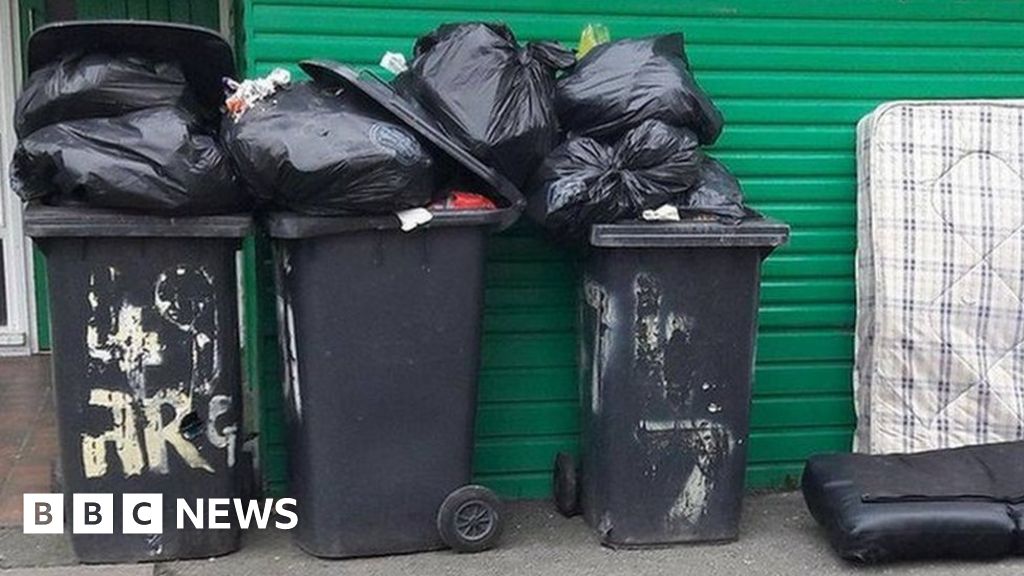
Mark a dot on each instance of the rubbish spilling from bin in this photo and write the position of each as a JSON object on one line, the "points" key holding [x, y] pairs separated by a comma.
{"points": [[248, 92], [123, 131], [381, 332], [634, 117], [670, 285], [379, 200], [143, 299]]}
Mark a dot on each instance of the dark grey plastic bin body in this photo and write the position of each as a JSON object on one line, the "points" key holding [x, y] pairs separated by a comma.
{"points": [[380, 331], [669, 321], [146, 368]]}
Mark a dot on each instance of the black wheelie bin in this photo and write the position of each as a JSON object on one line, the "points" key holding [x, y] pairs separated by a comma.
{"points": [[669, 327], [146, 368], [380, 331]]}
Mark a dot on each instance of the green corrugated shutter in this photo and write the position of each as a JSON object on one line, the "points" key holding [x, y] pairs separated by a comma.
{"points": [[792, 79], [198, 12]]}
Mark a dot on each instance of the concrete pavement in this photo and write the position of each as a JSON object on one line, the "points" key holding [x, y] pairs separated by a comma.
{"points": [[778, 538]]}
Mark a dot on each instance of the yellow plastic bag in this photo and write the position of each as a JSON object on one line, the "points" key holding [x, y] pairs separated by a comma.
{"points": [[592, 35]]}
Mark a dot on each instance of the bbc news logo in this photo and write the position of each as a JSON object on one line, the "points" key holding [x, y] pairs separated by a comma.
{"points": [[144, 513]]}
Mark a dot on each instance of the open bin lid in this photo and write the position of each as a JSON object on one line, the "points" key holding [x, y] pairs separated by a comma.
{"points": [[758, 232], [330, 73], [79, 222], [204, 55]]}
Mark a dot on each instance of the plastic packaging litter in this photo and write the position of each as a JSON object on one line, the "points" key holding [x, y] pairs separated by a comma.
{"points": [[717, 194], [619, 85], [394, 62], [412, 218], [248, 92], [592, 35], [584, 182], [663, 213], [458, 200], [158, 160], [97, 86], [323, 152], [490, 94]]}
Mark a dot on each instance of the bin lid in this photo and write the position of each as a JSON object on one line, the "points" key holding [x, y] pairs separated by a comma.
{"points": [[330, 73], [71, 221], [292, 226], [204, 55], [758, 232]]}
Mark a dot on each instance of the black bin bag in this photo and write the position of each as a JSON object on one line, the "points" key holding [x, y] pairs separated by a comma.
{"points": [[584, 182], [92, 85], [954, 503], [618, 85], [717, 194], [326, 152], [491, 95], [157, 160]]}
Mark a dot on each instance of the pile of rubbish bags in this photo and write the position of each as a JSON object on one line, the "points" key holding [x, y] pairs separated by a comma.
{"points": [[615, 134], [635, 120], [120, 132]]}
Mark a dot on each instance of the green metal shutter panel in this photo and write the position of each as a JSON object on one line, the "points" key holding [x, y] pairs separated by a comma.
{"points": [[792, 79], [198, 12]]}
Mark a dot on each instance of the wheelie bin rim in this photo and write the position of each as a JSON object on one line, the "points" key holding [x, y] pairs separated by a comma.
{"points": [[204, 55], [330, 73], [292, 226], [71, 221], [756, 232]]}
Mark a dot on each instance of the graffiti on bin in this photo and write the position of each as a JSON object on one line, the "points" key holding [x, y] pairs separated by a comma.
{"points": [[597, 298], [289, 351], [709, 442], [661, 338], [148, 416]]}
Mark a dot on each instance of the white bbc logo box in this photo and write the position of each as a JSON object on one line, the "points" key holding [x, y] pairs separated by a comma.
{"points": [[144, 513], [93, 513]]}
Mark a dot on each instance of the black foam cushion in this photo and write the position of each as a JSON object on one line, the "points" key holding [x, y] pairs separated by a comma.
{"points": [[956, 503]]}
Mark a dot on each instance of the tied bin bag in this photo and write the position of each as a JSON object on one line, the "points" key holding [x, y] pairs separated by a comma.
{"points": [[584, 182], [619, 85], [491, 95]]}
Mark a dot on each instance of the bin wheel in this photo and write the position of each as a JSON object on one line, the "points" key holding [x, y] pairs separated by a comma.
{"points": [[566, 485], [471, 519]]}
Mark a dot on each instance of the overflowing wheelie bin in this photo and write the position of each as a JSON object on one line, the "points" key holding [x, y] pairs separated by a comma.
{"points": [[669, 326], [380, 331], [142, 276]]}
